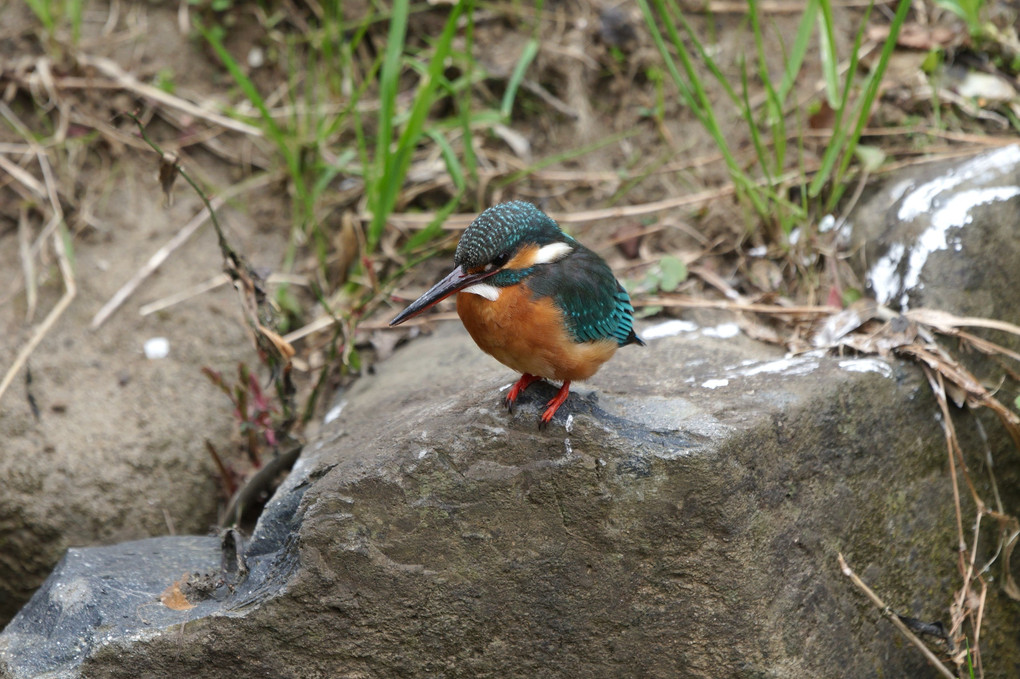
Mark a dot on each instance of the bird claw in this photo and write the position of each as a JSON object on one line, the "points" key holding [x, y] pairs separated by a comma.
{"points": [[551, 407], [511, 398], [554, 404]]}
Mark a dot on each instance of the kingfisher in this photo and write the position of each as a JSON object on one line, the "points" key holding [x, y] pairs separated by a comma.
{"points": [[534, 299]]}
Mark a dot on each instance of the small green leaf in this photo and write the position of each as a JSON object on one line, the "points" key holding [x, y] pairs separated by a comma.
{"points": [[354, 360], [645, 312], [871, 157], [164, 80], [932, 61], [674, 272]]}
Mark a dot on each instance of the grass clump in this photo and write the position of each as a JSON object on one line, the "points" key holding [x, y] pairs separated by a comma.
{"points": [[764, 192], [366, 116]]}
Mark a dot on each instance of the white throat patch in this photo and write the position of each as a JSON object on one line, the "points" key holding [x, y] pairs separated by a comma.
{"points": [[489, 292], [551, 253]]}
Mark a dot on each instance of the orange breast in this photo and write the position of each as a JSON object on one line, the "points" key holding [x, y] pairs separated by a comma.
{"points": [[529, 335]]}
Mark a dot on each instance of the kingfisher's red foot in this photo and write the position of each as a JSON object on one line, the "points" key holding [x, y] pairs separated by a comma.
{"points": [[554, 405], [518, 389]]}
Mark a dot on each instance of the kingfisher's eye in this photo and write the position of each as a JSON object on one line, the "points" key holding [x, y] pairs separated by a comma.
{"points": [[498, 261]]}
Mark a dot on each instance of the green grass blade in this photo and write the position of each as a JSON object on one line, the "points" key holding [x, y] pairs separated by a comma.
{"points": [[389, 81], [456, 172], [870, 92], [693, 93], [273, 130], [530, 51], [827, 53], [41, 9], [463, 98], [453, 166], [652, 22], [398, 162], [330, 172], [836, 142], [800, 45], [756, 140], [75, 8], [214, 36], [774, 162], [703, 53]]}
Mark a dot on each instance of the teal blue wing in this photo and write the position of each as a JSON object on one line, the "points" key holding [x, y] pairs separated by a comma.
{"points": [[595, 306]]}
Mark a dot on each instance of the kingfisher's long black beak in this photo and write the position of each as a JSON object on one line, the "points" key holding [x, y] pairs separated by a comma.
{"points": [[456, 280]]}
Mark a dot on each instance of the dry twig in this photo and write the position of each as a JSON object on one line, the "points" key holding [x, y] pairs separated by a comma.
{"points": [[458, 222], [897, 623], [182, 236], [125, 80]]}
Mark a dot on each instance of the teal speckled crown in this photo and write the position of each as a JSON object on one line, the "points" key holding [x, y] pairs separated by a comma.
{"points": [[501, 229]]}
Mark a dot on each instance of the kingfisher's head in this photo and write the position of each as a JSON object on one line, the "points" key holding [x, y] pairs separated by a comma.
{"points": [[499, 248], [508, 232]]}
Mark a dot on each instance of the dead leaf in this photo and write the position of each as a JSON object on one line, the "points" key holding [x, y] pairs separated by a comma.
{"points": [[765, 274], [943, 321], [346, 245], [985, 88], [173, 598], [628, 239], [824, 119], [169, 169], [839, 325], [283, 348]]}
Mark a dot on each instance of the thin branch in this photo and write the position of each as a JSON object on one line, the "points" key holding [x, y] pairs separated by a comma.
{"points": [[687, 302], [112, 70], [897, 623], [457, 222], [182, 236]]}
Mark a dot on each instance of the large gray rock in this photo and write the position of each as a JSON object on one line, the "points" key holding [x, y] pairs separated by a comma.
{"points": [[680, 518]]}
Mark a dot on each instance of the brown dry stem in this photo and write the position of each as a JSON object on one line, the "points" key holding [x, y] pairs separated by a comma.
{"points": [[894, 619], [181, 237]]}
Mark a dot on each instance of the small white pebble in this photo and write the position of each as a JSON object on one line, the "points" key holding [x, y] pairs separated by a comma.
{"points": [[722, 331], [157, 347], [668, 329], [256, 57]]}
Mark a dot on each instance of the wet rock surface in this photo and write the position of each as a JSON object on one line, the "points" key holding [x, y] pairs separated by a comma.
{"points": [[945, 237], [680, 517], [101, 594]]}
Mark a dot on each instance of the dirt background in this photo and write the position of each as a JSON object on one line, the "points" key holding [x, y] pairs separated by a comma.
{"points": [[116, 449]]}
